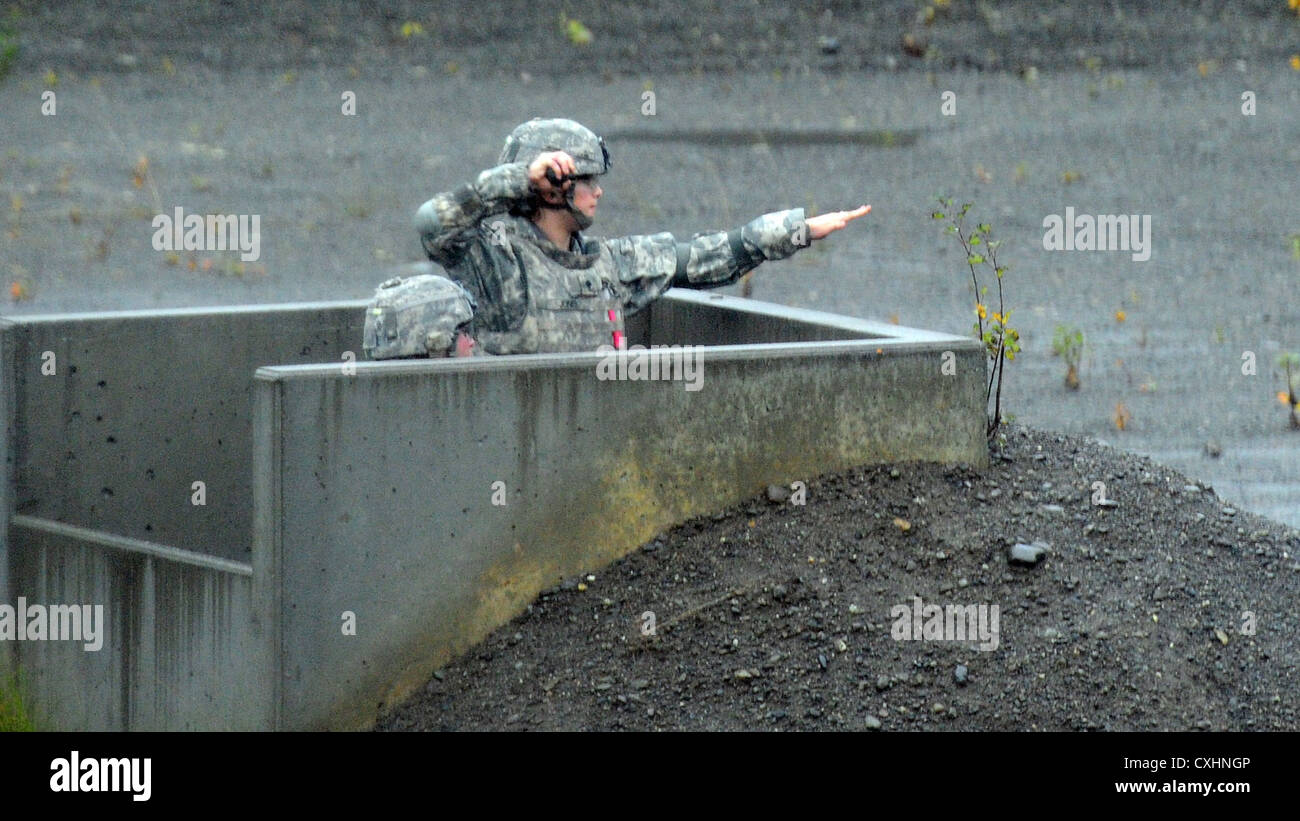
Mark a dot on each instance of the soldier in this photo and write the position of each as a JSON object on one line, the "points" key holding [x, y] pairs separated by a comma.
{"points": [[513, 239]]}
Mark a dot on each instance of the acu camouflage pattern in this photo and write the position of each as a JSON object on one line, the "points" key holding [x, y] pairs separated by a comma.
{"points": [[533, 297], [537, 135], [416, 316]]}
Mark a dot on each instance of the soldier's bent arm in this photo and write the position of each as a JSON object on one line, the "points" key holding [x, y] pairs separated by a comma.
{"points": [[446, 222], [649, 265]]}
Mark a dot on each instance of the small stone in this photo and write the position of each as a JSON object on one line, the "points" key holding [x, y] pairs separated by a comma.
{"points": [[902, 524], [828, 45], [1107, 503], [778, 592], [776, 494], [1053, 509], [841, 646], [960, 674], [1027, 554], [744, 675], [1191, 489], [995, 493], [1213, 449], [893, 473], [1221, 636], [854, 609], [1229, 511], [871, 723], [884, 682], [938, 708]]}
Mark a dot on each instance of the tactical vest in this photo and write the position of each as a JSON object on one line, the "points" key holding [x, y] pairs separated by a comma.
{"points": [[574, 301]]}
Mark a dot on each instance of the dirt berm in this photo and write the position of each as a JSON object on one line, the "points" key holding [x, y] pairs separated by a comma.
{"points": [[1159, 608]]}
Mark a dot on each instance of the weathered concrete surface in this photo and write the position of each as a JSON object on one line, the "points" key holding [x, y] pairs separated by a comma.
{"points": [[375, 490], [371, 486], [138, 406], [179, 650]]}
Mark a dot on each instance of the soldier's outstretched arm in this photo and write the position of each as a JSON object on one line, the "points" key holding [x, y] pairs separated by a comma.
{"points": [[649, 265]]}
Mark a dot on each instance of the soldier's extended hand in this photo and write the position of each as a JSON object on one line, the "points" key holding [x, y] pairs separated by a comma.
{"points": [[824, 224], [559, 162]]}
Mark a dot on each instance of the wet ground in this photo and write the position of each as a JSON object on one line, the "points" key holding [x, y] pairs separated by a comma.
{"points": [[227, 108]]}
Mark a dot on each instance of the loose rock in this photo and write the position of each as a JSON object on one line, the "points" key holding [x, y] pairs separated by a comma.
{"points": [[1027, 554]]}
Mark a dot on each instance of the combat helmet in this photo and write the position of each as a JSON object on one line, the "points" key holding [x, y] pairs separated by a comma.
{"points": [[416, 316], [530, 139]]}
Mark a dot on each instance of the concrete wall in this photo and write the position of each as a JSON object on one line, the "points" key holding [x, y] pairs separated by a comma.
{"points": [[370, 491], [179, 647], [143, 404], [374, 490]]}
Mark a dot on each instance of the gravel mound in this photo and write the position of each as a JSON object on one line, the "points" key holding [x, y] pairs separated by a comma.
{"points": [[1151, 606]]}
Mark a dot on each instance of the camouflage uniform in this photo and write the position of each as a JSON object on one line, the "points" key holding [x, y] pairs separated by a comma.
{"points": [[533, 297]]}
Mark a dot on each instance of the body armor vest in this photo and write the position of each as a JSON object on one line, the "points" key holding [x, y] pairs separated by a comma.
{"points": [[572, 300]]}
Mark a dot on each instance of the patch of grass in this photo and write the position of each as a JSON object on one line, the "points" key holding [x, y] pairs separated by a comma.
{"points": [[1067, 342], [14, 714], [357, 210], [9, 49]]}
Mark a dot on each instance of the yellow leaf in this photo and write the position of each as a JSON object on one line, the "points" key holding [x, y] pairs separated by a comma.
{"points": [[140, 171], [1295, 61], [577, 33], [51, 79], [1122, 416], [1120, 316]]}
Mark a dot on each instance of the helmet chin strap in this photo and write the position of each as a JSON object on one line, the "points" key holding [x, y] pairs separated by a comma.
{"points": [[584, 221]]}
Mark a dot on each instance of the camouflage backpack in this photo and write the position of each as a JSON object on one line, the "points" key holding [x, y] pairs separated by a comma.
{"points": [[415, 316]]}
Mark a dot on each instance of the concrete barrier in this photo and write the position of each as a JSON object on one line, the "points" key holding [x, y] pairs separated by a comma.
{"points": [[380, 483], [178, 646], [367, 491]]}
